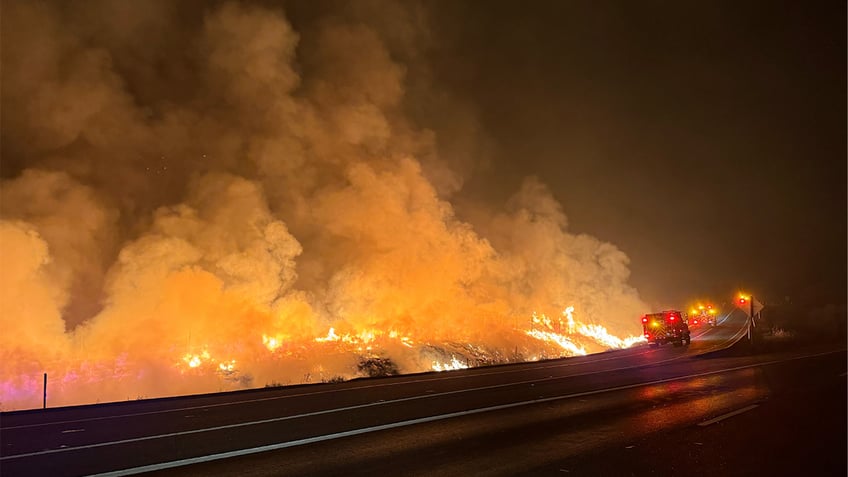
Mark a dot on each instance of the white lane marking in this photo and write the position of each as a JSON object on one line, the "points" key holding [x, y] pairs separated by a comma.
{"points": [[381, 402], [414, 421], [436, 377], [729, 414], [725, 343], [68, 431], [733, 339], [300, 442]]}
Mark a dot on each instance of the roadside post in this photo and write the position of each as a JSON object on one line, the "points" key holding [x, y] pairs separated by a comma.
{"points": [[752, 308]]}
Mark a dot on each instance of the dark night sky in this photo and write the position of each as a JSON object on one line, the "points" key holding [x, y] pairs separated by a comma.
{"points": [[707, 140]]}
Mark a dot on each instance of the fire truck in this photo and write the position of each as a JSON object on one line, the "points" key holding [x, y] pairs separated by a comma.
{"points": [[665, 327], [702, 315]]}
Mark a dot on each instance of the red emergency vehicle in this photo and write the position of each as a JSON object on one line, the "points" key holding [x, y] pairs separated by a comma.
{"points": [[665, 327]]}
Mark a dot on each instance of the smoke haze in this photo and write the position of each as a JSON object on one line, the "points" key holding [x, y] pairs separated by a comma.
{"points": [[200, 197]]}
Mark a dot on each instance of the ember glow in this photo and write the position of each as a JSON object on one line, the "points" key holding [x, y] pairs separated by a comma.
{"points": [[260, 209], [453, 364]]}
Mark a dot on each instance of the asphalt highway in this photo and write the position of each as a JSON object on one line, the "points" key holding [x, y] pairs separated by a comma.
{"points": [[524, 419]]}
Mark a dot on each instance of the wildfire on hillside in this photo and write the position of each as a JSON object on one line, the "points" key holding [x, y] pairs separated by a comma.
{"points": [[332, 357], [238, 201]]}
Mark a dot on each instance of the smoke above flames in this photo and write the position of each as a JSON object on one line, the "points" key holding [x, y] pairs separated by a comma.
{"points": [[200, 196]]}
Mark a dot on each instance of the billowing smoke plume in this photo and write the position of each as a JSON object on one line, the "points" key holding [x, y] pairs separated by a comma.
{"points": [[199, 197]]}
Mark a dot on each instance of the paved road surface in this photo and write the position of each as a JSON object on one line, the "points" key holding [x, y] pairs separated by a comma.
{"points": [[505, 420]]}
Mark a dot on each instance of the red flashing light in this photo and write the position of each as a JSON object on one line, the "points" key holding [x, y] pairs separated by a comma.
{"points": [[671, 318], [644, 320], [742, 301]]}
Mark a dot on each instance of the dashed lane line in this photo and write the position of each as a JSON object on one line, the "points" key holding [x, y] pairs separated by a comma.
{"points": [[354, 432], [729, 414], [401, 423]]}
